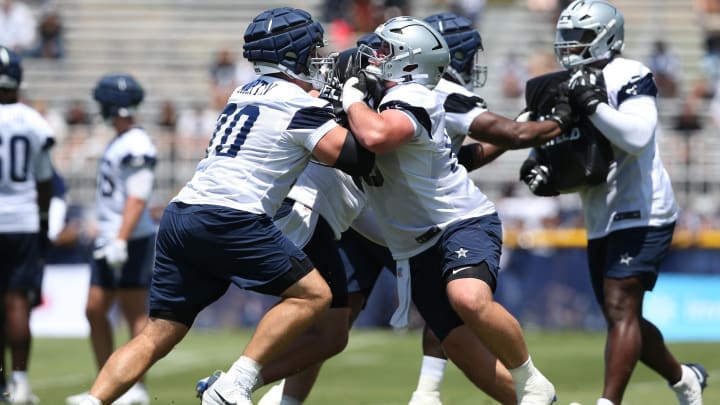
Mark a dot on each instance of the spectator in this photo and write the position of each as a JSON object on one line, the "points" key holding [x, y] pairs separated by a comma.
{"points": [[77, 114], [197, 122], [50, 42], [688, 121], [514, 75], [17, 25], [168, 117], [665, 67], [471, 9], [223, 76]]}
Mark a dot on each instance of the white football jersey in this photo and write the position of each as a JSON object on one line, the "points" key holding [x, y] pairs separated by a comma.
{"points": [[638, 191], [419, 188], [331, 193], [263, 140], [457, 124], [23, 135], [127, 153]]}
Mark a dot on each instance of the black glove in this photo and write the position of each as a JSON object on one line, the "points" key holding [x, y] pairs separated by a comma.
{"points": [[562, 113], [587, 90], [374, 87], [537, 177]]}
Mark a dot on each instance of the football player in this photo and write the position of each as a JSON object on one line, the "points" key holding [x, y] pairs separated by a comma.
{"points": [[25, 192], [125, 244], [363, 247], [218, 230], [631, 216], [441, 229]]}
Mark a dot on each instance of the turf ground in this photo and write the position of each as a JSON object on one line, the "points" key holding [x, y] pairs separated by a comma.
{"points": [[377, 368]]}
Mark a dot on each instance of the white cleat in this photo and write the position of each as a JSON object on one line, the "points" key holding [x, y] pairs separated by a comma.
{"points": [[274, 395], [425, 398], [221, 390], [20, 393], [75, 399], [136, 395], [538, 390]]}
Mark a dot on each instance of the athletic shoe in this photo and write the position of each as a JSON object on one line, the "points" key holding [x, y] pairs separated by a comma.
{"points": [[538, 390], [75, 399], [136, 395], [425, 398], [222, 390], [21, 393], [274, 395], [689, 390]]}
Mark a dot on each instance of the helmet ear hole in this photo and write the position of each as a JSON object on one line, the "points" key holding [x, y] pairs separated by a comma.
{"points": [[410, 68]]}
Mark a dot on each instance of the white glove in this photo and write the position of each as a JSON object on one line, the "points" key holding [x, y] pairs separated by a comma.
{"points": [[538, 175], [351, 94], [115, 253]]}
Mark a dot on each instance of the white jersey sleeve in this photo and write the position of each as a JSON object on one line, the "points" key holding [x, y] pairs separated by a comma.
{"points": [[24, 135], [263, 140], [638, 191], [333, 194], [124, 156], [461, 107], [419, 188]]}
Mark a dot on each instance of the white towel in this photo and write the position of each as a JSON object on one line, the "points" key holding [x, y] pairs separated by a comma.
{"points": [[400, 319]]}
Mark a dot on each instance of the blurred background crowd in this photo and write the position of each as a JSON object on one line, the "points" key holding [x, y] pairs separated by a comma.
{"points": [[188, 54]]}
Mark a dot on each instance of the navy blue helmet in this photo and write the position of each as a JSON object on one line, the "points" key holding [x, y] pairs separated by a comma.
{"points": [[371, 39], [118, 94], [10, 69], [465, 45], [284, 39]]}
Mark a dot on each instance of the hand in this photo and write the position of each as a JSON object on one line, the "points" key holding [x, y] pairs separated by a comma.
{"points": [[353, 92], [587, 90], [537, 178], [115, 254], [562, 113]]}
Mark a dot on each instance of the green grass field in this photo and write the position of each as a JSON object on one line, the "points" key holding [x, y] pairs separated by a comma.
{"points": [[377, 368]]}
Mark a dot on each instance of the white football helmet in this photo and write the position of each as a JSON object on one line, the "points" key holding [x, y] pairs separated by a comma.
{"points": [[411, 52], [588, 31]]}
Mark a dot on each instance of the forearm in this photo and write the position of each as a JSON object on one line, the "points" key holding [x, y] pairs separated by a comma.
{"points": [[131, 216], [509, 134], [475, 155]]}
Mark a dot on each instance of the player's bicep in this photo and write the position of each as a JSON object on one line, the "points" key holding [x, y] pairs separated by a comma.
{"points": [[399, 127]]}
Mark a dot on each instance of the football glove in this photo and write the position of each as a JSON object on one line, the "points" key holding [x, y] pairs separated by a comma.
{"points": [[537, 178], [353, 92], [115, 254], [587, 90]]}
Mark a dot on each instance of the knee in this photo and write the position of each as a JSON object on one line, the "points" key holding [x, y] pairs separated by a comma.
{"points": [[469, 304], [336, 342], [95, 313]]}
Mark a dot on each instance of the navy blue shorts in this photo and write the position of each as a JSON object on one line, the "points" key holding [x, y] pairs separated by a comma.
{"points": [[634, 252], [201, 249], [364, 260], [21, 267], [136, 272], [324, 252], [466, 243]]}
